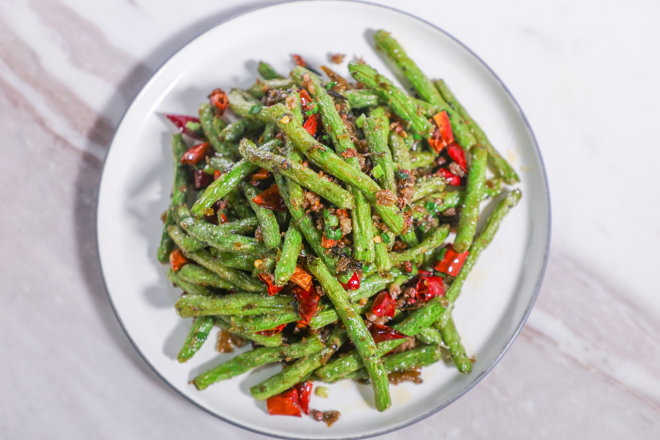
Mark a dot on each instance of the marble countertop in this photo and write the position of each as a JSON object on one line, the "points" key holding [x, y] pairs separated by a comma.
{"points": [[586, 364]]}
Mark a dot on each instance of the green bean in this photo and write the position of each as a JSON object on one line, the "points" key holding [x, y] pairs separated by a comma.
{"points": [[424, 86], [357, 332], [300, 370], [362, 98], [428, 185], [300, 174], [179, 189], [206, 116], [220, 163], [260, 88], [382, 260], [495, 159], [244, 362], [467, 224], [235, 131], [376, 130], [452, 340], [195, 274], [400, 152], [219, 239], [227, 182], [333, 164], [186, 286], [416, 358], [429, 336], [422, 159], [400, 102], [218, 124], [253, 324], [265, 340], [239, 304], [267, 71], [235, 277], [434, 241], [289, 256], [265, 265], [270, 229], [199, 332], [270, 130], [363, 229]]}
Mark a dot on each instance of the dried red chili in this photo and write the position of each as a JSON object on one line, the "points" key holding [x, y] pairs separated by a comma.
{"points": [[218, 99], [223, 218], [299, 60], [195, 153], [383, 333], [327, 243], [301, 278], [457, 155], [451, 262], [304, 394], [272, 331], [384, 305], [271, 288], [201, 179], [181, 122], [311, 124], [177, 260], [308, 303], [271, 199], [451, 178], [444, 126], [429, 287], [216, 174], [306, 101], [284, 404], [353, 283]]}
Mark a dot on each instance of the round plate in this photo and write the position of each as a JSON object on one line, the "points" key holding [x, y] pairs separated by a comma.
{"points": [[137, 179]]}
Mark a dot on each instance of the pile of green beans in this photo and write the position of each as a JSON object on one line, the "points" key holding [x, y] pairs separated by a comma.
{"points": [[321, 200]]}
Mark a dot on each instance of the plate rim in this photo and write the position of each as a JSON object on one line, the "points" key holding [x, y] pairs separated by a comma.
{"points": [[477, 379]]}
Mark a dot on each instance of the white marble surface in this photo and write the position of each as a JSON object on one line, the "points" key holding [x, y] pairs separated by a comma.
{"points": [[585, 73]]}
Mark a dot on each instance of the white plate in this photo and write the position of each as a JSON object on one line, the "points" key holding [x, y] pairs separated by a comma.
{"points": [[137, 179]]}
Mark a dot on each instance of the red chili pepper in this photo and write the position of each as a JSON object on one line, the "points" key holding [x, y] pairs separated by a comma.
{"points": [[304, 394], [308, 303], [271, 199], [218, 99], [383, 333], [177, 260], [353, 283], [201, 179], [436, 142], [384, 305], [457, 155], [195, 153], [301, 278], [444, 126], [305, 100], [299, 60], [272, 331], [311, 124], [327, 243], [429, 287], [284, 404], [424, 273], [223, 218], [452, 261], [181, 122], [267, 279], [216, 174], [451, 178], [261, 174]]}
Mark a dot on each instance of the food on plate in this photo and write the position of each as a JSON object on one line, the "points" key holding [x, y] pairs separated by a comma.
{"points": [[331, 224]]}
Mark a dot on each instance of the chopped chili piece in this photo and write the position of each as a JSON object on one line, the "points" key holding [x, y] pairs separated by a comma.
{"points": [[216, 174], [195, 153], [223, 218], [271, 199], [305, 100], [311, 124], [201, 179], [384, 305], [327, 243], [451, 178], [301, 278], [353, 283], [383, 333], [424, 273], [299, 60], [457, 155], [452, 261], [262, 174], [286, 403], [177, 260], [444, 126], [267, 279], [272, 331], [308, 303], [429, 287], [181, 122], [218, 99], [304, 393], [436, 142]]}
